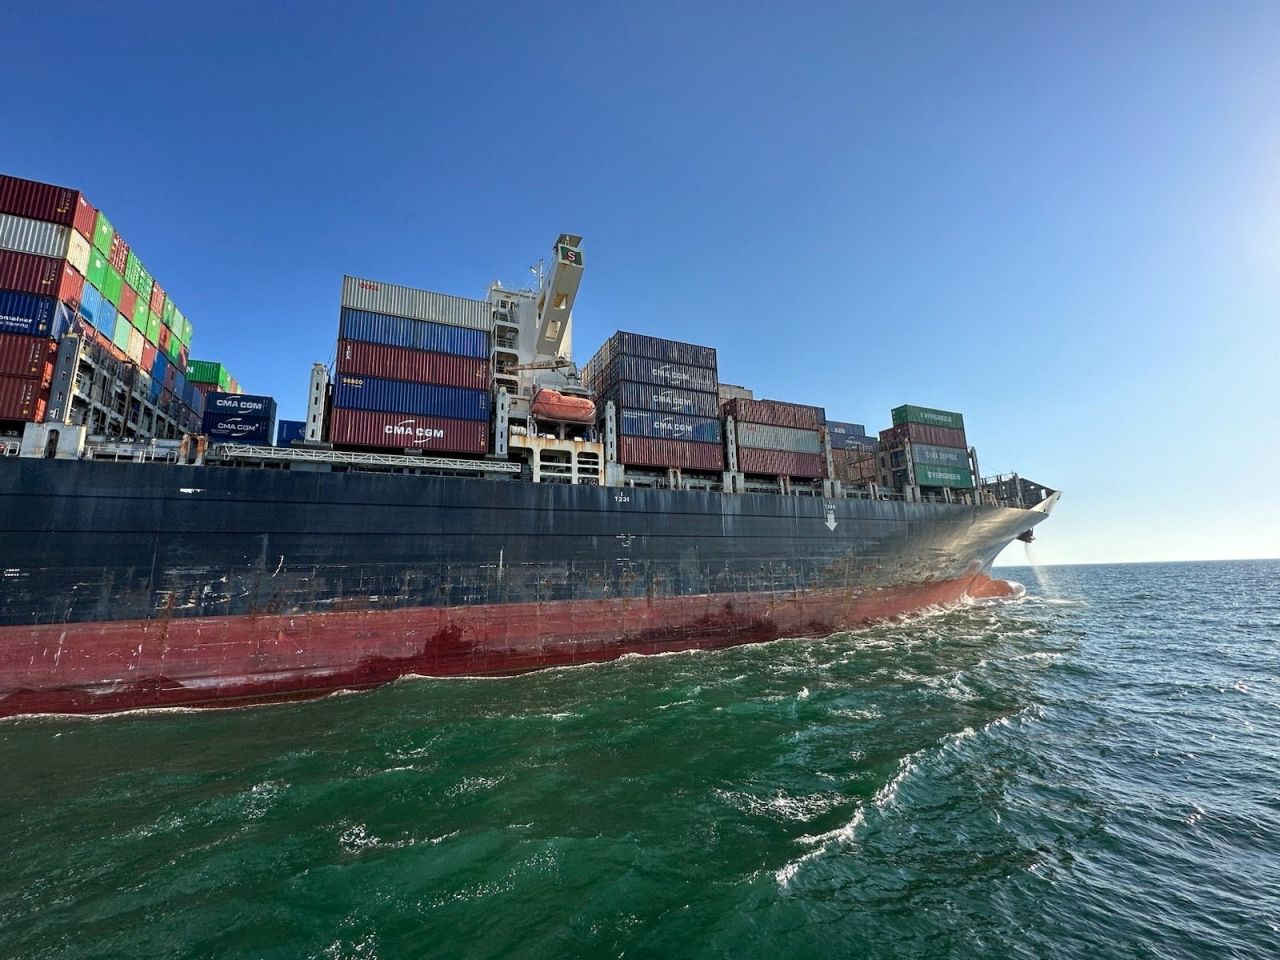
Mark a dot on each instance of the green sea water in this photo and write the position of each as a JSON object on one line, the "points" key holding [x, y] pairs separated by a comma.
{"points": [[1093, 771]]}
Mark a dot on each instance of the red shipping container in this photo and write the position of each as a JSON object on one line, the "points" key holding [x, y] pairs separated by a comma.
{"points": [[368, 428], [22, 398], [183, 359], [688, 454], [400, 363], [164, 338], [775, 413], [924, 433], [128, 300], [72, 286], [157, 299], [30, 273], [30, 357], [782, 463], [85, 217], [39, 201], [119, 253], [148, 357]]}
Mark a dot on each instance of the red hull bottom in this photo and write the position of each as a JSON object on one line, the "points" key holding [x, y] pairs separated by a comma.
{"points": [[234, 661]]}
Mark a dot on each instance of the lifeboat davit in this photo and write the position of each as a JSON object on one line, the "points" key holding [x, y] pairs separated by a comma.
{"points": [[556, 407]]}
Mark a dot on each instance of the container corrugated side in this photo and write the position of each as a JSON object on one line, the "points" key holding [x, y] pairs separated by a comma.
{"points": [[940, 456], [846, 435], [118, 255], [24, 235], [910, 413], [659, 348], [655, 372], [650, 452], [768, 437], [642, 396], [372, 327], [923, 433], [122, 330], [112, 285], [776, 463], [103, 233], [23, 398], [23, 356], [775, 413], [928, 475], [38, 201], [128, 304], [669, 426], [91, 304], [370, 428], [205, 371], [136, 342], [288, 431], [71, 286], [401, 396], [419, 366], [241, 404], [235, 428], [33, 315], [28, 273], [397, 301]]}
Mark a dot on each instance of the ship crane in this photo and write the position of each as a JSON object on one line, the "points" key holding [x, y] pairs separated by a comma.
{"points": [[555, 298]]}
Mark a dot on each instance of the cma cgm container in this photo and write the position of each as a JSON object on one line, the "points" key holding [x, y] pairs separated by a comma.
{"points": [[420, 366], [650, 452], [233, 428], [668, 426], [922, 433], [401, 396], [910, 413], [643, 396], [371, 428], [666, 374], [782, 463], [241, 404], [372, 327], [397, 301], [775, 413]]}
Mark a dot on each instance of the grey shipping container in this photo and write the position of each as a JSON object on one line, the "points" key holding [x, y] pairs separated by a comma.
{"points": [[768, 437], [940, 456], [657, 372], [33, 236], [847, 435], [642, 396], [398, 301]]}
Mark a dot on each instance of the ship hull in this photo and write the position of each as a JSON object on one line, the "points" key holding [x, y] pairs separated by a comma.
{"points": [[138, 585]]}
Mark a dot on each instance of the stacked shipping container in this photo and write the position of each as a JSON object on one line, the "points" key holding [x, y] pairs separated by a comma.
{"points": [[64, 267], [239, 418], [666, 395], [412, 370], [777, 438], [939, 451]]}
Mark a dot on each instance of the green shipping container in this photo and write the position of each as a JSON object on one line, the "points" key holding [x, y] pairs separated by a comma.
{"points": [[143, 286], [187, 333], [103, 233], [931, 476], [112, 284], [907, 413], [174, 348], [131, 267], [940, 456], [123, 329], [98, 266], [140, 315], [167, 315], [179, 326], [153, 327], [204, 371], [226, 380]]}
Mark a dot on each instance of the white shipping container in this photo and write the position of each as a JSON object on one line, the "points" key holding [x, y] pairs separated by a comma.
{"points": [[78, 250], [396, 301], [761, 436], [33, 236], [136, 342]]}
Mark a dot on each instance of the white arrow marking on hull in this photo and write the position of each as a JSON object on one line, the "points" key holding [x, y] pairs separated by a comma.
{"points": [[831, 520]]}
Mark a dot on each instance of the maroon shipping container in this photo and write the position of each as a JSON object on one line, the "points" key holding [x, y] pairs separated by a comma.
{"points": [[775, 413], [118, 255], [72, 286], [29, 357], [85, 217], [128, 300], [782, 463], [22, 398], [924, 433], [39, 201], [400, 363], [651, 452], [368, 428], [30, 273]]}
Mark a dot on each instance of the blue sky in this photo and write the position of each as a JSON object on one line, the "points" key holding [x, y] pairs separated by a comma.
{"points": [[1063, 220]]}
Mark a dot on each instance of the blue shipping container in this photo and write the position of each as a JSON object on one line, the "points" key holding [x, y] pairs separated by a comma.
{"points": [[239, 404], [417, 399], [645, 370], [91, 304], [236, 429], [107, 314], [414, 334], [669, 426], [847, 436], [288, 431], [33, 316], [658, 348]]}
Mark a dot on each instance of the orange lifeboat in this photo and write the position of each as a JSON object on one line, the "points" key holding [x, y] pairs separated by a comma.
{"points": [[556, 407]]}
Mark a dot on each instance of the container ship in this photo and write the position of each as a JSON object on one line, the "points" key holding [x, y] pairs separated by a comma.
{"points": [[461, 499]]}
